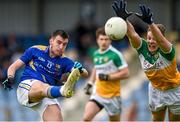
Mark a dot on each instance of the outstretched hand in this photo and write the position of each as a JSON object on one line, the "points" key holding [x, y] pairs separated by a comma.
{"points": [[146, 15], [103, 77], [7, 84], [79, 66], [88, 89], [119, 8]]}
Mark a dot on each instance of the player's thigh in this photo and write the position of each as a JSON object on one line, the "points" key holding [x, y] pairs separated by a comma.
{"points": [[52, 113], [91, 110], [38, 91], [159, 115], [173, 117], [156, 105], [115, 118], [174, 107]]}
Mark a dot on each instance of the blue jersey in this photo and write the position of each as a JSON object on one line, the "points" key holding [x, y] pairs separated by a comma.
{"points": [[40, 66]]}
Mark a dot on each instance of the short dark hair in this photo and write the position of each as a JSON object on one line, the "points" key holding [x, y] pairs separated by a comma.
{"points": [[161, 28], [100, 31], [62, 33]]}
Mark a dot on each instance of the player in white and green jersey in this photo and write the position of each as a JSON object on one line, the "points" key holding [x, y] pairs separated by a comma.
{"points": [[157, 56], [109, 68]]}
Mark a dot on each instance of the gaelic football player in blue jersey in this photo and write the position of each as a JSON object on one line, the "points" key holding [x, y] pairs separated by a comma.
{"points": [[44, 66]]}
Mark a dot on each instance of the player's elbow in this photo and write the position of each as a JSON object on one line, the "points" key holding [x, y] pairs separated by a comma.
{"points": [[16, 65], [126, 73]]}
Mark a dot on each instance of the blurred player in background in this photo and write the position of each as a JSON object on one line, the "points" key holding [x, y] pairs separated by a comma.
{"points": [[109, 68], [44, 66], [157, 56]]}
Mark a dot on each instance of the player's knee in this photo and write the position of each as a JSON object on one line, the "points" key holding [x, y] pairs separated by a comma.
{"points": [[87, 118], [158, 117], [52, 113], [43, 90]]}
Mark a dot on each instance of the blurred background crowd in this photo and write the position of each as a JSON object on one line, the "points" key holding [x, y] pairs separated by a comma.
{"points": [[25, 23]]}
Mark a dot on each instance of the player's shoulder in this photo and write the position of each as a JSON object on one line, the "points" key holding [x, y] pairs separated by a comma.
{"points": [[96, 52], [113, 50], [66, 58], [39, 47], [143, 48]]}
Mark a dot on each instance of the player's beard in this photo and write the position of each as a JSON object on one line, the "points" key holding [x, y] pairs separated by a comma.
{"points": [[104, 47], [58, 52], [55, 52]]}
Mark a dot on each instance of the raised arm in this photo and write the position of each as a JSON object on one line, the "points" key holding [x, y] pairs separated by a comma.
{"points": [[134, 38], [119, 8], [159, 37], [161, 40]]}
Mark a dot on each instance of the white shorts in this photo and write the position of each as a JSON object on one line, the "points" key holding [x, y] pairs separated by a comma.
{"points": [[23, 99], [111, 105], [158, 99]]}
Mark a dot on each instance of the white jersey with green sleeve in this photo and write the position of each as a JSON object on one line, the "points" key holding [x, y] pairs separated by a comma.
{"points": [[160, 68], [109, 61]]}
